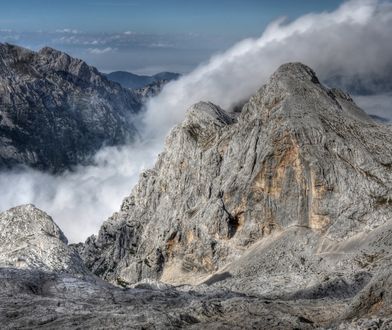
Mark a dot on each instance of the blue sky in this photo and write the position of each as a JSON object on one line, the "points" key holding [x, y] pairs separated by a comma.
{"points": [[143, 35], [233, 17]]}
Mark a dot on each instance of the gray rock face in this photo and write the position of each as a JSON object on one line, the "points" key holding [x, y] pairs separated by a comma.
{"points": [[56, 110], [298, 155], [29, 239]]}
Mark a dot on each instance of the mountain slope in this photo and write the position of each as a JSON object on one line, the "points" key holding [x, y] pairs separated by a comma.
{"points": [[55, 110], [298, 155], [131, 80]]}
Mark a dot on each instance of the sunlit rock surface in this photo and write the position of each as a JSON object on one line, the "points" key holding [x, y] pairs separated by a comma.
{"points": [[298, 158], [31, 240]]}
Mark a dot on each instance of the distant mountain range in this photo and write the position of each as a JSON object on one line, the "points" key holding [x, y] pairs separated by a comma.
{"points": [[380, 119], [56, 111], [131, 80], [363, 84]]}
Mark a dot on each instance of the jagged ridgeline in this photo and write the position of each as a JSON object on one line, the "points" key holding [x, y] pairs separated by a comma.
{"points": [[275, 217], [56, 111], [299, 158]]}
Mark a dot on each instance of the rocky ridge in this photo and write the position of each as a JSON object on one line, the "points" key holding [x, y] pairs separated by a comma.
{"points": [[151, 90], [298, 157], [56, 111], [277, 217]]}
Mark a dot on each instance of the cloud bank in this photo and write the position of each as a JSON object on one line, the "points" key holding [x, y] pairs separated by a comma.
{"points": [[81, 200], [356, 39]]}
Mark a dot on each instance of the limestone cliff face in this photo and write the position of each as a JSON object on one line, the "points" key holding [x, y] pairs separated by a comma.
{"points": [[56, 111], [298, 155]]}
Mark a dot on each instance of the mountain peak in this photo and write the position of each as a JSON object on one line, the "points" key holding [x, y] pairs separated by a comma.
{"points": [[297, 71], [65, 110], [7, 46], [49, 51], [218, 188], [294, 93], [207, 113]]}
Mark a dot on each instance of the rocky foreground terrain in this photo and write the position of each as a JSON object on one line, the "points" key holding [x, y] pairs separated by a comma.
{"points": [[56, 111], [275, 217]]}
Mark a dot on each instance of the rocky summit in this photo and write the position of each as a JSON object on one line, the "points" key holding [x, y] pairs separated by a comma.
{"points": [[56, 111], [278, 216]]}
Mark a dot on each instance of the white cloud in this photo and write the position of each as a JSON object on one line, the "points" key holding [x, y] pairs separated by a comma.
{"points": [[80, 201], [67, 31], [11, 38], [160, 45], [98, 51], [91, 42], [356, 38]]}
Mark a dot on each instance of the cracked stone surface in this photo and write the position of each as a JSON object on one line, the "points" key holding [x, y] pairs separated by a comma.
{"points": [[300, 160]]}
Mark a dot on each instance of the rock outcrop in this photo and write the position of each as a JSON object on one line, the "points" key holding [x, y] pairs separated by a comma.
{"points": [[56, 111], [31, 240], [298, 158]]}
